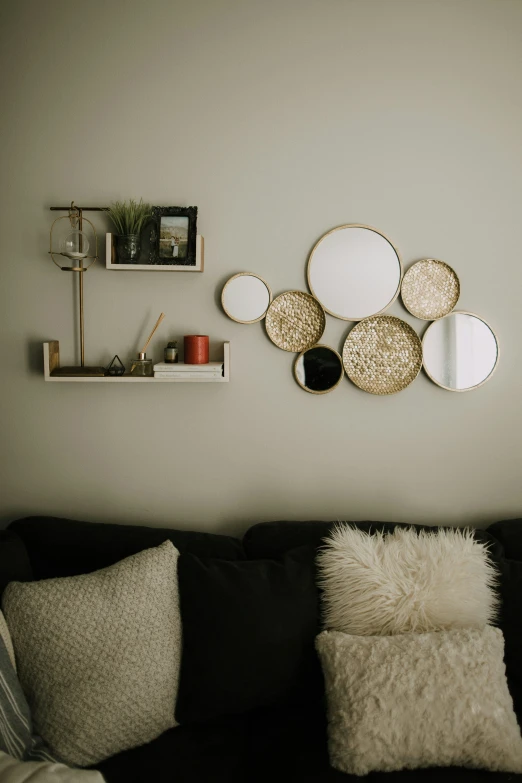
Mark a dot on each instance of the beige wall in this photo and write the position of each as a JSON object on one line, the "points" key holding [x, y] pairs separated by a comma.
{"points": [[280, 119]]}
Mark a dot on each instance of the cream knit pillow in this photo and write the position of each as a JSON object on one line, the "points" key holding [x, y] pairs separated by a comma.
{"points": [[419, 700], [99, 654], [406, 581]]}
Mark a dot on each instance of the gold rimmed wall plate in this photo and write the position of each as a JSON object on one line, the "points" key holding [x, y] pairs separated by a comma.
{"points": [[295, 321], [245, 298], [430, 289], [382, 355]]}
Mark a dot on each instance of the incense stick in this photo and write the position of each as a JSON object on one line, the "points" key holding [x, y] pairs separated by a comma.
{"points": [[151, 335]]}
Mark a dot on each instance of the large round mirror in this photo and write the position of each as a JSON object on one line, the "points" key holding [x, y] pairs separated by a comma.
{"points": [[319, 369], [460, 351], [355, 272], [245, 298]]}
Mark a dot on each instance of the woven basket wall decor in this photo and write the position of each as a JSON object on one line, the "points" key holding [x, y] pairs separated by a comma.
{"points": [[430, 289], [295, 321], [382, 354]]}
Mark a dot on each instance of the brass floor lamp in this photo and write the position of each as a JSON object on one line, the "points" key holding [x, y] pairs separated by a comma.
{"points": [[75, 246]]}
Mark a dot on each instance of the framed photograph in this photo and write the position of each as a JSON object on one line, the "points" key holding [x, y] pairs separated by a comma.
{"points": [[169, 242], [176, 232]]}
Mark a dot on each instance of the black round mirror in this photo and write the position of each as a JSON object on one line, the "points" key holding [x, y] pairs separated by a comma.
{"points": [[319, 369]]}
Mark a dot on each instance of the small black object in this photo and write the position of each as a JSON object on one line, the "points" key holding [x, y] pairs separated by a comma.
{"points": [[116, 367]]}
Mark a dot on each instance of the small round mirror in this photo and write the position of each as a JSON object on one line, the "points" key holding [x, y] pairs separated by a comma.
{"points": [[319, 369], [355, 272], [460, 351], [245, 298]]}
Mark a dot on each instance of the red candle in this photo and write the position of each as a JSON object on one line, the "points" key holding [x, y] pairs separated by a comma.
{"points": [[196, 348]]}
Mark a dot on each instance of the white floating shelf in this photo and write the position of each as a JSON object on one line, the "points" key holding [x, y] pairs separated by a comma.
{"points": [[51, 351], [111, 263]]}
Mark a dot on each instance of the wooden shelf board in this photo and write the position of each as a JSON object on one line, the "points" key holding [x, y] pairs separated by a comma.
{"points": [[51, 352]]}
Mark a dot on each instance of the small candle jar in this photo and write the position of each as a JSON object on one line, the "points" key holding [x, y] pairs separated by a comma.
{"points": [[171, 353], [196, 348], [142, 367]]}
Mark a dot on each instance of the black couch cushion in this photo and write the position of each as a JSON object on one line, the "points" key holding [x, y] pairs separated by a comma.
{"points": [[248, 634], [509, 534], [273, 539], [511, 625], [261, 746], [66, 547], [14, 560], [203, 754]]}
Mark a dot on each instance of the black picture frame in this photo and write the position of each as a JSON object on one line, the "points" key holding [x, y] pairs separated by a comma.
{"points": [[159, 249]]}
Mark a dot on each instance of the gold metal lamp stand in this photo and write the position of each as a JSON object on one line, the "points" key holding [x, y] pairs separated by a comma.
{"points": [[75, 247]]}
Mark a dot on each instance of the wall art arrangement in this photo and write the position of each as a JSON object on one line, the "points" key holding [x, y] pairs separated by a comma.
{"points": [[146, 238], [355, 273]]}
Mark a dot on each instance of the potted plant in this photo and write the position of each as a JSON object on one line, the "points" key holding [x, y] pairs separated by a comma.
{"points": [[129, 217]]}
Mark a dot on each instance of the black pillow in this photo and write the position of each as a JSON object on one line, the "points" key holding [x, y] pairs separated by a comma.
{"points": [[511, 626], [248, 634], [273, 539], [67, 547], [14, 560], [509, 533]]}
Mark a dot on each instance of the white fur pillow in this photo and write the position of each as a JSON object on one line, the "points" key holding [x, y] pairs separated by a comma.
{"points": [[419, 700], [405, 581]]}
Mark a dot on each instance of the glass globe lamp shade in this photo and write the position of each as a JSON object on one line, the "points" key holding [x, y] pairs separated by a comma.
{"points": [[74, 245]]}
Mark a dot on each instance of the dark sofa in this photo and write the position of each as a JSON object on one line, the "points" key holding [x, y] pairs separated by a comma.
{"points": [[250, 700]]}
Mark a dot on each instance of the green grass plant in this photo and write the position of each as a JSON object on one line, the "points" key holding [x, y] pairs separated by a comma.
{"points": [[129, 217]]}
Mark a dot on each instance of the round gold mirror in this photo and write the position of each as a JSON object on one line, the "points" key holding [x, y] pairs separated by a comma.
{"points": [[460, 351], [318, 369], [355, 272], [245, 298]]}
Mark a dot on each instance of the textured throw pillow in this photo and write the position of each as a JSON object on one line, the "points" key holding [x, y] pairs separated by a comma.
{"points": [[98, 654], [408, 580], [249, 630], [13, 771], [419, 700], [16, 730]]}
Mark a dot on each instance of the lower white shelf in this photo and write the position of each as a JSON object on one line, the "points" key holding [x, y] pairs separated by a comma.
{"points": [[51, 352]]}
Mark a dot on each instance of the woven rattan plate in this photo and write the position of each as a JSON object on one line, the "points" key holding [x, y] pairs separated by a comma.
{"points": [[382, 354], [430, 289], [295, 321]]}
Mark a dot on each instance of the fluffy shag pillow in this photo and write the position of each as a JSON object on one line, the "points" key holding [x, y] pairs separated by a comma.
{"points": [[419, 700], [408, 580]]}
